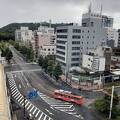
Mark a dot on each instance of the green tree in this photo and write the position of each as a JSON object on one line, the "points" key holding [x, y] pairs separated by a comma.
{"points": [[45, 64], [9, 55], [40, 60], [103, 105], [57, 71], [50, 67]]}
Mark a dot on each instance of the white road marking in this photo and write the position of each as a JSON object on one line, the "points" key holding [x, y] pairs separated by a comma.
{"points": [[14, 91], [20, 98], [40, 116], [15, 94], [29, 106], [45, 117], [26, 104], [31, 109], [34, 111], [37, 113], [49, 112]]}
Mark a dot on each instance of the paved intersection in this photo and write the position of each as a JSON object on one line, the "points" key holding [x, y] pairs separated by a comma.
{"points": [[60, 105], [30, 108]]}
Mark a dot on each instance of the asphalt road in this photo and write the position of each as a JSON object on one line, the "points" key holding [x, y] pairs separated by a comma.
{"points": [[47, 107]]}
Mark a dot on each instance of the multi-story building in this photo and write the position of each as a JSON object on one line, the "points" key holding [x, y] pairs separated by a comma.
{"points": [[119, 38], [24, 35], [45, 41], [112, 37], [98, 59], [73, 41]]}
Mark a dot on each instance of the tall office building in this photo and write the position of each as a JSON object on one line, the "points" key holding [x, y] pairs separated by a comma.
{"points": [[73, 41]]}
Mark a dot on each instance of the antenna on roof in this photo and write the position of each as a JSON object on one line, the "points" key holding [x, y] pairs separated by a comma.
{"points": [[101, 9], [90, 7], [50, 21]]}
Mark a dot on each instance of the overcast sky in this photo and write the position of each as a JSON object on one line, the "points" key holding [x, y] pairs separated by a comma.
{"points": [[56, 10]]}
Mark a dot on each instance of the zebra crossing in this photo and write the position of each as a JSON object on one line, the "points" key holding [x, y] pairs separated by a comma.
{"points": [[36, 113], [60, 105]]}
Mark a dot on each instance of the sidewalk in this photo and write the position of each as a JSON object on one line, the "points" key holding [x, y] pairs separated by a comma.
{"points": [[77, 86], [14, 116]]}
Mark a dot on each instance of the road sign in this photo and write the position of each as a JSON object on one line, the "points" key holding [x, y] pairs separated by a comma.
{"points": [[32, 94]]}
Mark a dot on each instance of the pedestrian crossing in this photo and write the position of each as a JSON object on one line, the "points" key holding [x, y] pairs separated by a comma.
{"points": [[60, 105], [36, 113]]}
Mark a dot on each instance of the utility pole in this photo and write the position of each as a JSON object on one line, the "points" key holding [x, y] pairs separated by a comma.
{"points": [[111, 104]]}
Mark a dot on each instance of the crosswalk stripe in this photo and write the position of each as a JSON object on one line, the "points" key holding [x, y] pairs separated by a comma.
{"points": [[31, 109], [26, 104], [14, 91], [14, 86], [16, 95], [34, 111], [45, 117], [49, 119], [21, 101], [20, 98], [37, 113], [40, 116], [29, 106]]}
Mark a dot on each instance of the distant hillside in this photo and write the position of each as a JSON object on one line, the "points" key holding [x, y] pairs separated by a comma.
{"points": [[7, 32]]}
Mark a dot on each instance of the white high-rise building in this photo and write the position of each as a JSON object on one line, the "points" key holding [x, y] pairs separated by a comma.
{"points": [[73, 41], [24, 35]]}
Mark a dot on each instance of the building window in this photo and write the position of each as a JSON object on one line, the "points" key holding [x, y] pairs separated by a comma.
{"points": [[52, 49], [44, 49], [61, 47], [75, 59], [48, 49], [75, 42], [61, 42], [75, 48], [75, 53], [76, 30], [76, 36], [92, 24], [60, 52], [62, 31], [88, 37], [87, 42], [59, 57], [61, 36], [88, 31], [82, 31], [74, 64]]}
